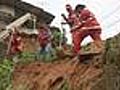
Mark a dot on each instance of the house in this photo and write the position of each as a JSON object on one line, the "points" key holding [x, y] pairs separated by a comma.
{"points": [[12, 10]]}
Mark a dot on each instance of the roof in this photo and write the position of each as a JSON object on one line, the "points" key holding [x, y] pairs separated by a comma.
{"points": [[42, 16], [22, 8], [8, 2]]}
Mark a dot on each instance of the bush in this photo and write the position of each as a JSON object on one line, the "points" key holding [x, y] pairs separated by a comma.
{"points": [[6, 69]]}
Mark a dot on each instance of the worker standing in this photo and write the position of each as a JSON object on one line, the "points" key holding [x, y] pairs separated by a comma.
{"points": [[73, 21], [15, 45], [46, 52], [43, 37]]}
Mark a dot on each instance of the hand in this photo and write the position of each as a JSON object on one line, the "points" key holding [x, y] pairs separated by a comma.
{"points": [[63, 15]]}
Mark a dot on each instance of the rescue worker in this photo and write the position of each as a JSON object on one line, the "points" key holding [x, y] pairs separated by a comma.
{"points": [[89, 27], [43, 37], [82, 23], [72, 19], [16, 44], [46, 52], [73, 22]]}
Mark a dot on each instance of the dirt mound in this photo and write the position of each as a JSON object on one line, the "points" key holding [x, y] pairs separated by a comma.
{"points": [[61, 75]]}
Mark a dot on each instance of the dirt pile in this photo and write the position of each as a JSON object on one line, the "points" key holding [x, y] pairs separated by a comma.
{"points": [[61, 75]]}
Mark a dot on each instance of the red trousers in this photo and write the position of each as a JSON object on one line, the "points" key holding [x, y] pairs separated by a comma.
{"points": [[78, 36]]}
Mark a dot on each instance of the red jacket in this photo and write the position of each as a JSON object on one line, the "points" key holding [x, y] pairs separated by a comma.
{"points": [[88, 20], [85, 20], [16, 43], [43, 38]]}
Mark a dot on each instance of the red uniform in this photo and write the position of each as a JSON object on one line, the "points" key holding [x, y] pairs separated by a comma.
{"points": [[73, 20], [88, 20], [43, 38], [87, 25], [16, 44]]}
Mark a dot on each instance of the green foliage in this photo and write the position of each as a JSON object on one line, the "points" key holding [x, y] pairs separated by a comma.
{"points": [[56, 36], [6, 69], [26, 57], [112, 52]]}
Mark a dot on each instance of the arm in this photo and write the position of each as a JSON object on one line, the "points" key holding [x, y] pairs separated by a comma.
{"points": [[66, 19]]}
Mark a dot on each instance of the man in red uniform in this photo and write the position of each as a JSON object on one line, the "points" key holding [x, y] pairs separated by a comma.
{"points": [[82, 25], [73, 22], [89, 27], [16, 43], [72, 19]]}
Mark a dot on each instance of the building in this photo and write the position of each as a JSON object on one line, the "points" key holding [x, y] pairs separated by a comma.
{"points": [[12, 10]]}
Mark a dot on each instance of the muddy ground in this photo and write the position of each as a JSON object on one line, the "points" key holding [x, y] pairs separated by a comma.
{"points": [[65, 74]]}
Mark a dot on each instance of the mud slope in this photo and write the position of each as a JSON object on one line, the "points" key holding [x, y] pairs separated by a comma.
{"points": [[67, 74]]}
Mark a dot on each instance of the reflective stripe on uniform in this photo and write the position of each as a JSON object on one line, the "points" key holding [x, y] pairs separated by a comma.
{"points": [[76, 26], [92, 27], [85, 28]]}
